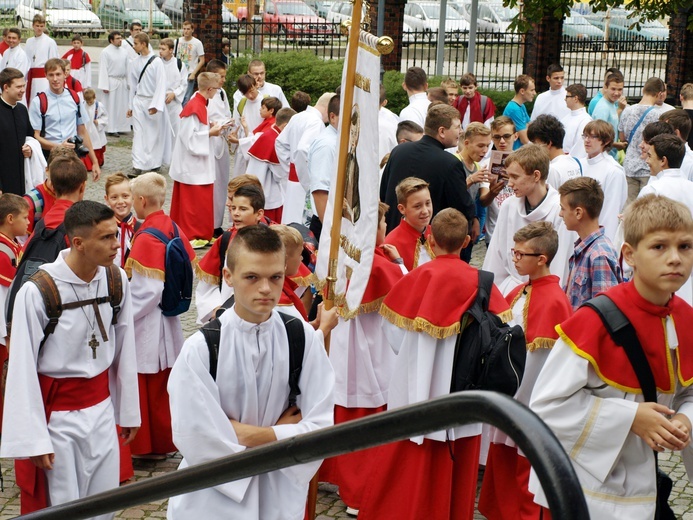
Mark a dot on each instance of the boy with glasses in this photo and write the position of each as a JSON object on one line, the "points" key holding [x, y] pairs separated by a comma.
{"points": [[594, 264], [574, 123]]}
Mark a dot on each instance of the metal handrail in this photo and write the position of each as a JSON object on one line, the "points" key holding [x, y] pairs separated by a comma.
{"points": [[533, 437]]}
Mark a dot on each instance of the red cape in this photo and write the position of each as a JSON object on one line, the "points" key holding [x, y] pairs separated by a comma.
{"points": [[545, 307], [289, 297], [8, 267], [77, 58], [73, 84], [406, 239], [266, 124], [586, 335], [433, 297], [197, 106], [3, 47], [210, 266], [147, 253], [263, 148], [461, 104]]}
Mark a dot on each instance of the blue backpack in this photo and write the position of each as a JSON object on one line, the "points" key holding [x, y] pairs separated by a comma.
{"points": [[177, 293]]}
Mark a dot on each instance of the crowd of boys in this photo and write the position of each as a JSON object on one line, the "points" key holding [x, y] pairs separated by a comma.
{"points": [[564, 214]]}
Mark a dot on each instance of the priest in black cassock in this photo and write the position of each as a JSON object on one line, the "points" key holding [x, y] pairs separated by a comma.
{"points": [[14, 129]]}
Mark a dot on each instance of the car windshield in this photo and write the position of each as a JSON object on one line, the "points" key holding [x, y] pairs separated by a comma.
{"points": [[65, 4], [433, 12], [295, 8], [139, 5], [505, 14], [654, 24]]}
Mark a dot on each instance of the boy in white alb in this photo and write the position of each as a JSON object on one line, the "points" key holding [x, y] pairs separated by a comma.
{"points": [[147, 107], [158, 338], [176, 83], [247, 403], [66, 391], [247, 109], [588, 392], [548, 131], [113, 82], [15, 56], [574, 123], [192, 166], [534, 200], [256, 68], [219, 111], [118, 197], [96, 121], [598, 137], [552, 102], [39, 49]]}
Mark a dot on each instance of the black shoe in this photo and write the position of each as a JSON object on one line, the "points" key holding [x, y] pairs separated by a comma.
{"points": [[113, 134], [218, 232], [135, 173]]}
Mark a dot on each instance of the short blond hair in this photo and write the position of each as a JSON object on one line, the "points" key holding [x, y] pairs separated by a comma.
{"points": [[207, 79], [89, 94], [687, 92], [291, 237], [114, 179], [531, 157], [476, 129], [409, 186], [151, 186], [449, 83], [653, 213]]}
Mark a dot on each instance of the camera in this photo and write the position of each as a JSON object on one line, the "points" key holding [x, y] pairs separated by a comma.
{"points": [[80, 149]]}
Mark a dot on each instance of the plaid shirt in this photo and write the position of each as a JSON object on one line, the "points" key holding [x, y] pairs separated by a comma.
{"points": [[593, 268]]}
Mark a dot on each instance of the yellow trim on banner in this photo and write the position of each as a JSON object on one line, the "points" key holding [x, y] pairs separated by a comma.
{"points": [[368, 48]]}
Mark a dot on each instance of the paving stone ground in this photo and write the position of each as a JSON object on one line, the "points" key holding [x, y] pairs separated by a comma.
{"points": [[329, 505]]}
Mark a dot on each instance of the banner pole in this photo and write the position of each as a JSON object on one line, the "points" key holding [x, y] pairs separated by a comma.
{"points": [[347, 102]]}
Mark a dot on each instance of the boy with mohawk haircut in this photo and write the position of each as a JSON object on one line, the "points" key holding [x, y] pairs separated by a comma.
{"points": [[590, 395], [423, 334], [362, 361], [538, 306], [410, 237]]}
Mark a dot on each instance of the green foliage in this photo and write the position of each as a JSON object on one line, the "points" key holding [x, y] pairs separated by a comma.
{"points": [[293, 70]]}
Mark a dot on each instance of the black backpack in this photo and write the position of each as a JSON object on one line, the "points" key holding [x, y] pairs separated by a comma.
{"points": [[297, 345], [43, 247], [489, 354], [178, 283]]}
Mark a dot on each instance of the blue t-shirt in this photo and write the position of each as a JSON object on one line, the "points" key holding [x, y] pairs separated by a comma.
{"points": [[594, 101], [608, 111], [518, 113]]}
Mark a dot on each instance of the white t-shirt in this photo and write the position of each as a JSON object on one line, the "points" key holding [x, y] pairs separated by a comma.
{"points": [[189, 51]]}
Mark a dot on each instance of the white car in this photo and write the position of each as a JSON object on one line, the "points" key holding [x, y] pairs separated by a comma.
{"points": [[63, 17], [424, 17], [492, 17]]}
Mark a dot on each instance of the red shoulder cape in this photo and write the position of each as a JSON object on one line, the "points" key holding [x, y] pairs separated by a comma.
{"points": [[197, 106], [266, 124], [586, 336], [433, 297], [209, 267], [263, 148], [76, 58], [147, 253], [545, 307], [406, 239], [8, 268], [289, 297]]}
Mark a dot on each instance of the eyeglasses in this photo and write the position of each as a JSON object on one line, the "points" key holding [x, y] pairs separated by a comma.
{"points": [[587, 136], [567, 96], [519, 254], [505, 137]]}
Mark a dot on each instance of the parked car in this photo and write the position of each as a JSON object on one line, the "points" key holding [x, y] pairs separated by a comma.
{"points": [[7, 7], [491, 17], [580, 35], [119, 14], [174, 10], [294, 21], [424, 17], [320, 7], [63, 17], [623, 33]]}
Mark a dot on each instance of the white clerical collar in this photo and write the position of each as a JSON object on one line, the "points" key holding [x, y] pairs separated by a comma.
{"points": [[671, 172], [558, 92], [11, 106], [578, 112]]}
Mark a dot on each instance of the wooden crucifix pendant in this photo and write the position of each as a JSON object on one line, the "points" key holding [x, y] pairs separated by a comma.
{"points": [[93, 343]]}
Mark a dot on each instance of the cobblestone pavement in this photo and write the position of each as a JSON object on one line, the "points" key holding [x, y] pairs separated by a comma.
{"points": [[329, 505]]}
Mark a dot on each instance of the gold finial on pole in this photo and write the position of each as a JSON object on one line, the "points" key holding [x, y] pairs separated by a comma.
{"points": [[385, 45]]}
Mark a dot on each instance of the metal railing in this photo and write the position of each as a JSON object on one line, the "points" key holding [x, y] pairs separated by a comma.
{"points": [[533, 437]]}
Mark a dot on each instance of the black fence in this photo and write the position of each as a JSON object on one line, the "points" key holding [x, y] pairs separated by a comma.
{"points": [[537, 442]]}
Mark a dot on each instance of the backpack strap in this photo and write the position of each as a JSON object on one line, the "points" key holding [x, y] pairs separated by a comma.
{"points": [[484, 101], [225, 240], [297, 346], [51, 299], [151, 59], [180, 63], [115, 290], [175, 48], [4, 248], [75, 98], [241, 105], [212, 332], [579, 164], [43, 107]]}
